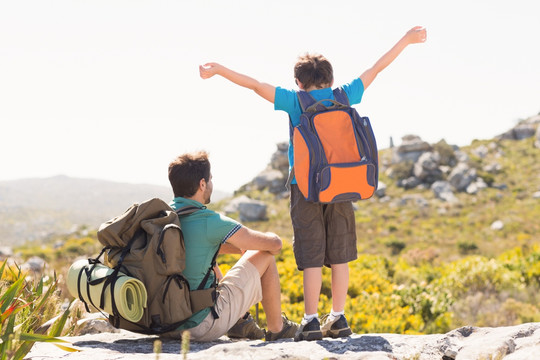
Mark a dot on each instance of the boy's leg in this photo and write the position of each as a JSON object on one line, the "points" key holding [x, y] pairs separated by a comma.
{"points": [[312, 289], [340, 286]]}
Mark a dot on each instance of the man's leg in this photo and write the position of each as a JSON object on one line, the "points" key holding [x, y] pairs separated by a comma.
{"points": [[340, 286], [271, 289]]}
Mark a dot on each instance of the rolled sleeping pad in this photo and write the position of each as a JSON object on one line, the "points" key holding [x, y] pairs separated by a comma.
{"points": [[129, 293]]}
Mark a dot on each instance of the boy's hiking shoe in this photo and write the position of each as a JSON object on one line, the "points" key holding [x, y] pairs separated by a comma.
{"points": [[309, 330], [335, 328], [246, 327], [288, 331]]}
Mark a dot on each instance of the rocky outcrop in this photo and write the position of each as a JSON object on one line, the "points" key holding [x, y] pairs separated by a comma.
{"points": [[248, 209], [518, 342]]}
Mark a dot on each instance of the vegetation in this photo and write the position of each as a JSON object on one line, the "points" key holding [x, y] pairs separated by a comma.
{"points": [[25, 307], [423, 267]]}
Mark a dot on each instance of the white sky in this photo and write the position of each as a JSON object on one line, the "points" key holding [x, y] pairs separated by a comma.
{"points": [[110, 89]]}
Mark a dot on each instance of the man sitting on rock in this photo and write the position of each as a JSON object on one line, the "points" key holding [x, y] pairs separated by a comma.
{"points": [[254, 278]]}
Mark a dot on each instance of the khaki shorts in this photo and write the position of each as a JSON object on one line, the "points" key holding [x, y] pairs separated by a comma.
{"points": [[239, 290], [324, 234]]}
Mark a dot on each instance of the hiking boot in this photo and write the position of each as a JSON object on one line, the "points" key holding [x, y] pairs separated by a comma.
{"points": [[335, 328], [247, 328], [288, 331], [309, 330]]}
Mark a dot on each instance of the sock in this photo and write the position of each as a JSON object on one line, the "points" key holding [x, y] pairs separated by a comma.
{"points": [[309, 317], [335, 314]]}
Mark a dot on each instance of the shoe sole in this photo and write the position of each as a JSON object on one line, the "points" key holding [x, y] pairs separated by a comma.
{"points": [[309, 335], [338, 333]]}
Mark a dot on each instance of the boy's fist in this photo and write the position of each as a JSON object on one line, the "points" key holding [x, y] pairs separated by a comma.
{"points": [[417, 34]]}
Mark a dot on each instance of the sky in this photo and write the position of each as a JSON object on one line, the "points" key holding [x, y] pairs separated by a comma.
{"points": [[108, 89]]}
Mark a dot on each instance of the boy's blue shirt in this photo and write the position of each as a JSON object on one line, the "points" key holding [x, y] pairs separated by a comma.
{"points": [[204, 231], [287, 100]]}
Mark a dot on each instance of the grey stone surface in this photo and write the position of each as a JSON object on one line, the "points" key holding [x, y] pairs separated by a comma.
{"points": [[467, 343]]}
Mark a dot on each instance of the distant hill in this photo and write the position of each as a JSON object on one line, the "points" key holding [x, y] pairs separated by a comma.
{"points": [[32, 209]]}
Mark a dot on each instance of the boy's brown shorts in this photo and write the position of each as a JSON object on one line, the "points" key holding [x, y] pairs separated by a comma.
{"points": [[324, 234]]}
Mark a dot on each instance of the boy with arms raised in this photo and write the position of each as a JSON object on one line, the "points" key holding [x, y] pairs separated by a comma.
{"points": [[324, 234]]}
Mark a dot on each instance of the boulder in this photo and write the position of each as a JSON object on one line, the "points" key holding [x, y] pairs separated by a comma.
{"points": [[462, 176], [412, 146], [443, 190], [248, 209], [271, 179], [426, 167]]}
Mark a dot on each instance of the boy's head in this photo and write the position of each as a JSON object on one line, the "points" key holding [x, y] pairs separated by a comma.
{"points": [[313, 71], [186, 173]]}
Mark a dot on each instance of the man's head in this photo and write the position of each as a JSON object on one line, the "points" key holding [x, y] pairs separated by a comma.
{"points": [[189, 175], [313, 71]]}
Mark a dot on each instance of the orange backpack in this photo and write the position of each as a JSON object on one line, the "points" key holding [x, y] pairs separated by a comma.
{"points": [[335, 152]]}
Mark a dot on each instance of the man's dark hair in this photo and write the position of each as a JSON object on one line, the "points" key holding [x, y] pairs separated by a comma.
{"points": [[314, 70], [186, 172]]}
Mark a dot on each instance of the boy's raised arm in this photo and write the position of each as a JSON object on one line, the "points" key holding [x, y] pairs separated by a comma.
{"points": [[264, 90], [416, 35]]}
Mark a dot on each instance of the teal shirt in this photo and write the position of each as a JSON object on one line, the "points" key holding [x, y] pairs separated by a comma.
{"points": [[287, 100], [204, 232]]}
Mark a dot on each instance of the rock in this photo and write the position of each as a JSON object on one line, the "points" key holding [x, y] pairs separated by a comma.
{"points": [[270, 179], [416, 199], [523, 130], [409, 183], [426, 167], [280, 159], [517, 342], [248, 209], [462, 176], [5, 252], [381, 190], [481, 151], [412, 146], [443, 191], [492, 168], [536, 195], [35, 264], [497, 225], [537, 137]]}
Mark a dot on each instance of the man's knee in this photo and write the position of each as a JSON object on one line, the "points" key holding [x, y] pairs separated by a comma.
{"points": [[260, 259]]}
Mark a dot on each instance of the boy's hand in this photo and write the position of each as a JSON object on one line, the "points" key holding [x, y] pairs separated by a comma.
{"points": [[208, 70], [417, 34]]}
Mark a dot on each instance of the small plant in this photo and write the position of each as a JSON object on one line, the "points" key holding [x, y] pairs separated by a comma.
{"points": [[24, 310], [467, 247], [396, 246]]}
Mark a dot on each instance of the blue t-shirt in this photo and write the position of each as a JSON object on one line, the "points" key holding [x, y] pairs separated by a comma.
{"points": [[287, 100], [204, 231]]}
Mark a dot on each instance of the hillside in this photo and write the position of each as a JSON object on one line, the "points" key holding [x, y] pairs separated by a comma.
{"points": [[36, 209]]}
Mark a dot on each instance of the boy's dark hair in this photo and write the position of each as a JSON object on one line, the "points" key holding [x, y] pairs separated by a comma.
{"points": [[314, 70], [186, 172]]}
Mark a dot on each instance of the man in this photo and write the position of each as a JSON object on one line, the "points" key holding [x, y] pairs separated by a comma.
{"points": [[254, 278]]}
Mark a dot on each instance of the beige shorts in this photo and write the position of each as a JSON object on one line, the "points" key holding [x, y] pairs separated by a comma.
{"points": [[239, 290]]}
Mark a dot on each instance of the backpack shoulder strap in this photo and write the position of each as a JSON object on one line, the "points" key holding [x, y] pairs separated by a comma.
{"points": [[188, 210], [341, 96], [305, 99]]}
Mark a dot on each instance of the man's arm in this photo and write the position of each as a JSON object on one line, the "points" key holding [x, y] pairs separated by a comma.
{"points": [[247, 239], [416, 35], [266, 91]]}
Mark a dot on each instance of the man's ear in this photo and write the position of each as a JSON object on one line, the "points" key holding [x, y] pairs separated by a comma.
{"points": [[202, 184]]}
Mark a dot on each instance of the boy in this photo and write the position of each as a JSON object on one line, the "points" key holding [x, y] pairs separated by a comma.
{"points": [[324, 234]]}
